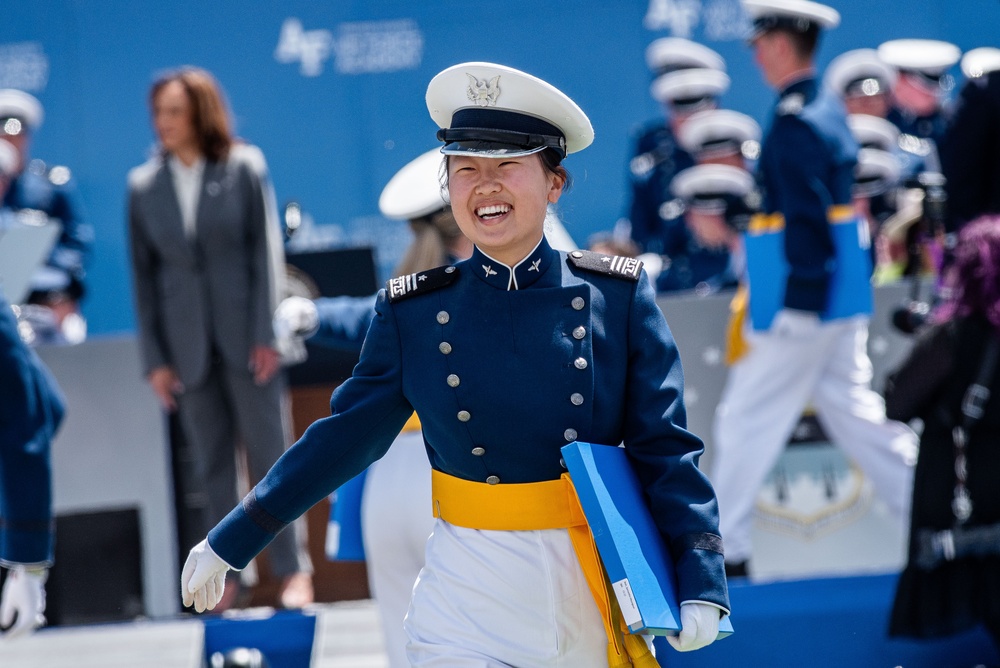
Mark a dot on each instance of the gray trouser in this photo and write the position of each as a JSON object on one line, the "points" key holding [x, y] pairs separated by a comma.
{"points": [[227, 410]]}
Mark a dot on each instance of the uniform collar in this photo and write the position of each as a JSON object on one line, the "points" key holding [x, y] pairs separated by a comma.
{"points": [[804, 85], [523, 274]]}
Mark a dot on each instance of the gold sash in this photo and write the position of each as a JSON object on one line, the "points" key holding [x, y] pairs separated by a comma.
{"points": [[551, 504]]}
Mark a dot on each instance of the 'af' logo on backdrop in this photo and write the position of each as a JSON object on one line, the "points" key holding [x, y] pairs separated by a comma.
{"points": [[310, 47], [358, 48], [722, 19]]}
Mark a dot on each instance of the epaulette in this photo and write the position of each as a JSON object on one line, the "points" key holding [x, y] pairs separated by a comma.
{"points": [[411, 285], [618, 266], [791, 104]]}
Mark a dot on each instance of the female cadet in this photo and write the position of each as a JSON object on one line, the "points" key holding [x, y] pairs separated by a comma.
{"points": [[506, 357]]}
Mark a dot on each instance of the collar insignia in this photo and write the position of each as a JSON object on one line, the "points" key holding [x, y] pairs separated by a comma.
{"points": [[535, 265], [483, 93], [489, 270]]}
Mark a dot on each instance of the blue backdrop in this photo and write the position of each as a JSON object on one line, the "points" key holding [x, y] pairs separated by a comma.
{"points": [[334, 92]]}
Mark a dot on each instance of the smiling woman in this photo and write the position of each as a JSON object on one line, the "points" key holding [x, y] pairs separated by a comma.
{"points": [[506, 357]]}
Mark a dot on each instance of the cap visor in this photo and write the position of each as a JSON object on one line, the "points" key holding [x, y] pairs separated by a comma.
{"points": [[488, 149]]}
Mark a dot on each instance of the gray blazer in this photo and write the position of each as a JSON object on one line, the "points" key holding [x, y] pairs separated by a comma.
{"points": [[219, 289]]}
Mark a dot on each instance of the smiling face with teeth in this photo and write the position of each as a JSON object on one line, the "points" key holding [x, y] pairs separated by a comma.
{"points": [[500, 202]]}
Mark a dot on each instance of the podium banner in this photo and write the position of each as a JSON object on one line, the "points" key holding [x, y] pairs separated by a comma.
{"points": [[638, 564], [850, 291]]}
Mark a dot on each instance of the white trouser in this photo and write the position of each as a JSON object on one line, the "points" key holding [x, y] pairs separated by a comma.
{"points": [[491, 599], [396, 520], [765, 395]]}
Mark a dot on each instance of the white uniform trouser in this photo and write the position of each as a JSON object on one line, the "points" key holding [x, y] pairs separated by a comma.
{"points": [[396, 520], [491, 599], [765, 395]]}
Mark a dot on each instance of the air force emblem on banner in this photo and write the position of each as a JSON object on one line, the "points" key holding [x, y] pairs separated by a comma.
{"points": [[410, 285], [483, 93], [612, 265]]}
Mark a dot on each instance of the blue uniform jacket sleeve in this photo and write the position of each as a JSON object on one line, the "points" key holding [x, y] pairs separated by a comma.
{"points": [[666, 455], [799, 189], [343, 321], [31, 409], [367, 412]]}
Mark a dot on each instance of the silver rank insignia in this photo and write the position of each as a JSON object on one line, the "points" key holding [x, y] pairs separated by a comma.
{"points": [[404, 287], [483, 93], [619, 266]]}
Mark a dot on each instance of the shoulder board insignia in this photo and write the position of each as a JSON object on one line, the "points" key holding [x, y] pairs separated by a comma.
{"points": [[791, 104], [410, 285], [618, 266]]}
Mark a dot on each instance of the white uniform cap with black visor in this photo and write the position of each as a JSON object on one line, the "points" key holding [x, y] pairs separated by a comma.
{"points": [[690, 90], [19, 112], [873, 132], [415, 190], [720, 132], [929, 59], [859, 72], [980, 61], [495, 111], [669, 54], [789, 15]]}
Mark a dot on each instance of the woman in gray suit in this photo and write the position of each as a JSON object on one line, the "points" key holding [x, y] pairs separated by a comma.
{"points": [[206, 250]]}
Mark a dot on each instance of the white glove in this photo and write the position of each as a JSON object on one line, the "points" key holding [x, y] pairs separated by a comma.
{"points": [[699, 626], [203, 578], [22, 604], [295, 317], [794, 324]]}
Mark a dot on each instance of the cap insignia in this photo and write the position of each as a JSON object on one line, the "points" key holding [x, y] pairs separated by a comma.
{"points": [[483, 93]]}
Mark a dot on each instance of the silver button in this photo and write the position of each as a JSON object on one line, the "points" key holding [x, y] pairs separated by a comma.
{"points": [[443, 317], [450, 270], [577, 254], [579, 332], [562, 462], [493, 480], [479, 451], [580, 363], [578, 303], [453, 380], [570, 434], [576, 398], [445, 347], [464, 416]]}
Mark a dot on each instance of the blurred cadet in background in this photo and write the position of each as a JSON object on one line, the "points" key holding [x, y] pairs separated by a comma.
{"points": [[58, 286], [395, 491], [206, 249], [31, 410], [801, 344], [689, 77], [862, 81], [950, 380], [724, 138], [970, 154], [877, 177], [922, 86]]}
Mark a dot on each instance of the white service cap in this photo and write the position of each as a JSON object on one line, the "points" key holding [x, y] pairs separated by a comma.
{"points": [[497, 111], [19, 111], [415, 190]]}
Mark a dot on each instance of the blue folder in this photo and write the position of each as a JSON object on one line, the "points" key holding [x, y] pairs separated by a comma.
{"points": [[638, 564]]}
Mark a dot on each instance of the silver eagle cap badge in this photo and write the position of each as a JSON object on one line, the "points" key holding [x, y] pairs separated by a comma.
{"points": [[483, 93]]}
